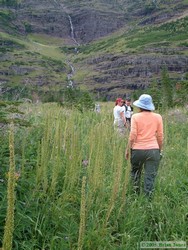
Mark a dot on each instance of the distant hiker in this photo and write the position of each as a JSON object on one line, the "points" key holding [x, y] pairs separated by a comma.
{"points": [[119, 116], [76, 51], [145, 144], [97, 108], [128, 110]]}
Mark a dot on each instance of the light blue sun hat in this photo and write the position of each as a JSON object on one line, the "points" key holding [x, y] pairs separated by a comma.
{"points": [[144, 102]]}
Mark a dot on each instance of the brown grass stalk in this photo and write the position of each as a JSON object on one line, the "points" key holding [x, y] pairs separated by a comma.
{"points": [[82, 214], [9, 223]]}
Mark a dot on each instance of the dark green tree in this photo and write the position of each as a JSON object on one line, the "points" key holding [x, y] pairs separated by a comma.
{"points": [[85, 102], [77, 98], [166, 90], [155, 92], [180, 95]]}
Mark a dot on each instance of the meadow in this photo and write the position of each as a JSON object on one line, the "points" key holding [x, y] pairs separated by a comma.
{"points": [[72, 183]]}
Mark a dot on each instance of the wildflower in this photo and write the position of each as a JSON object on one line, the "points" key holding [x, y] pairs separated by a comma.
{"points": [[85, 163], [17, 175]]}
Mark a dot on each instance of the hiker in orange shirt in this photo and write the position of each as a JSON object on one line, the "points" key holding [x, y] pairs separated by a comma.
{"points": [[145, 144]]}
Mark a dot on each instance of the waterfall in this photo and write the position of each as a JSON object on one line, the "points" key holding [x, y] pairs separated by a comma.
{"points": [[72, 30], [69, 76], [71, 73]]}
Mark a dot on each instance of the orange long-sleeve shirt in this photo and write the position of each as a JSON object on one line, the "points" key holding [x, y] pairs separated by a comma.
{"points": [[146, 131]]}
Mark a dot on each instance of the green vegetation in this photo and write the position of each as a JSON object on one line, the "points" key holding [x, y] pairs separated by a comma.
{"points": [[6, 20], [37, 63], [172, 32], [44, 39], [167, 93], [7, 45], [9, 3], [10, 113], [72, 183], [28, 67]]}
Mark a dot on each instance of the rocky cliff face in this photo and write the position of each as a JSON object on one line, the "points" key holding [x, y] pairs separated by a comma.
{"points": [[51, 17], [90, 24], [131, 72], [90, 21], [47, 17]]}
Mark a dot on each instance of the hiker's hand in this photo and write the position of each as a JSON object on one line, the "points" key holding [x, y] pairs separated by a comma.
{"points": [[127, 154], [161, 154]]}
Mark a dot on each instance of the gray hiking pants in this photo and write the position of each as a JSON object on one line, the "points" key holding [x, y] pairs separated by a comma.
{"points": [[149, 159]]}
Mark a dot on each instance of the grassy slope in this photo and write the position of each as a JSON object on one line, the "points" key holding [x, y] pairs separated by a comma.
{"points": [[41, 58], [44, 45]]}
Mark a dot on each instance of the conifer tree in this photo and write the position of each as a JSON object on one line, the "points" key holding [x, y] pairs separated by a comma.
{"points": [[154, 91], [167, 91]]}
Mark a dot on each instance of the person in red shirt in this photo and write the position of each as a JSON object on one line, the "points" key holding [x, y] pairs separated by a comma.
{"points": [[145, 144]]}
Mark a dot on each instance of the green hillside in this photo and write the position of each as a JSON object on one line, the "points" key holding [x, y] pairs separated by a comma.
{"points": [[34, 64], [31, 67]]}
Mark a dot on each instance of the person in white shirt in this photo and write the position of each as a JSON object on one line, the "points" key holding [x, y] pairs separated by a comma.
{"points": [[97, 108], [128, 110], [119, 116]]}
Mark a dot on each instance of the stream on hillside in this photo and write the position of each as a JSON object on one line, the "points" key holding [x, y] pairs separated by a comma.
{"points": [[70, 75], [72, 35]]}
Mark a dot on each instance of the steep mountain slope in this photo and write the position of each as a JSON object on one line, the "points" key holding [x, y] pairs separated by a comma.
{"points": [[136, 58], [114, 47], [52, 17], [92, 19]]}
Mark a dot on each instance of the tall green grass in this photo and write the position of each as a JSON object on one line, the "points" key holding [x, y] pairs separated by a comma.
{"points": [[74, 191]]}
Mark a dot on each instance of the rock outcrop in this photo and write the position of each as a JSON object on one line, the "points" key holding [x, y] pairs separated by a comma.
{"points": [[91, 24], [130, 72], [51, 17]]}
